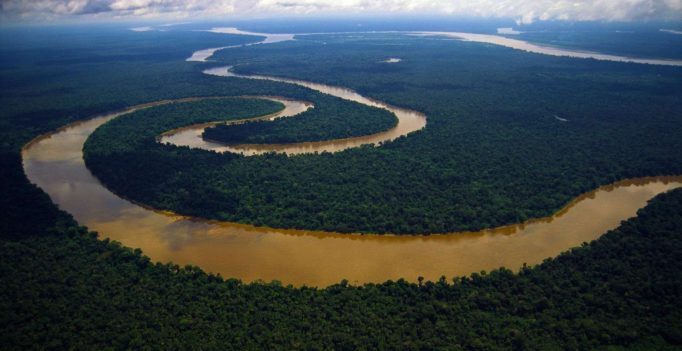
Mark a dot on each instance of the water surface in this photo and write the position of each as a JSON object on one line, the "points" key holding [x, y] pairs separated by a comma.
{"points": [[517, 44], [408, 121], [55, 163], [191, 136], [548, 50], [204, 54]]}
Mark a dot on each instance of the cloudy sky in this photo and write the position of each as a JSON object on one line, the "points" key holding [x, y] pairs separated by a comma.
{"points": [[524, 11]]}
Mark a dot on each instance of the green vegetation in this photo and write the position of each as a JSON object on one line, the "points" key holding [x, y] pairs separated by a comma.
{"points": [[66, 289], [151, 122], [333, 119], [129, 142], [61, 288], [638, 40], [54, 76], [493, 152]]}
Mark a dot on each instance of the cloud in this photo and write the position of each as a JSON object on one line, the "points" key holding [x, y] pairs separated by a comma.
{"points": [[524, 11]]}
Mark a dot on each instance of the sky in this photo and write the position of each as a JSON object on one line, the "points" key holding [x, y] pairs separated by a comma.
{"points": [[523, 11]]}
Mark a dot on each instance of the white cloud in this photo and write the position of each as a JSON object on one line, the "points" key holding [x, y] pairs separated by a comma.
{"points": [[524, 11]]}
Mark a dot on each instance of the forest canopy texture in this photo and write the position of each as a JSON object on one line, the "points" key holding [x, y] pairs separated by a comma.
{"points": [[61, 287], [503, 143]]}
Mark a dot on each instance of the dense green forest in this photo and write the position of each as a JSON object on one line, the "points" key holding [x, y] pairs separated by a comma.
{"points": [[149, 123], [333, 119], [48, 81], [62, 288], [490, 154], [629, 39]]}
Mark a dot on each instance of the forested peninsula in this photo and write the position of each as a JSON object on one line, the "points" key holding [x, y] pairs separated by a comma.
{"points": [[489, 155], [334, 119]]}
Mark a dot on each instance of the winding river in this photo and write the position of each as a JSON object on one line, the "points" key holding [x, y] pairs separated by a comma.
{"points": [[191, 135], [55, 163], [408, 121]]}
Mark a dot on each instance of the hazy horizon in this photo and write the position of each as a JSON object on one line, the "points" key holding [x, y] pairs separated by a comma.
{"points": [[520, 12]]}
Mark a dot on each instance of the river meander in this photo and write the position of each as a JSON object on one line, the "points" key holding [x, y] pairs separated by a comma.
{"points": [[55, 163], [408, 121]]}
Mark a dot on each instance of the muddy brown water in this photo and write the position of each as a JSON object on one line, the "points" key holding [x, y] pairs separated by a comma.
{"points": [[408, 121], [55, 163]]}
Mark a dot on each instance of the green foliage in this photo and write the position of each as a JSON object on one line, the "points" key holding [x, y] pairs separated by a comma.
{"points": [[61, 288], [333, 119], [53, 76], [70, 290], [26, 210], [142, 128], [493, 152], [643, 40]]}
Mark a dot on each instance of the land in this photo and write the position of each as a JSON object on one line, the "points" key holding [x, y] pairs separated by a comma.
{"points": [[334, 119], [492, 153]]}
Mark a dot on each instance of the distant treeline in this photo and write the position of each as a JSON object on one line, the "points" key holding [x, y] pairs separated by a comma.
{"points": [[61, 288], [492, 154]]}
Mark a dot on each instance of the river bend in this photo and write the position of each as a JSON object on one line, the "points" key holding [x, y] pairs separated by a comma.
{"points": [[55, 163]]}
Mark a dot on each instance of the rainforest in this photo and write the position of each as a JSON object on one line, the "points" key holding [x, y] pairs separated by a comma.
{"points": [[339, 187]]}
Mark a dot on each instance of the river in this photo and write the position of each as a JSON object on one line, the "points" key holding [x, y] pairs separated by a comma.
{"points": [[517, 44], [205, 54], [55, 163], [408, 121], [523, 45]]}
